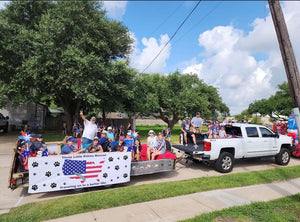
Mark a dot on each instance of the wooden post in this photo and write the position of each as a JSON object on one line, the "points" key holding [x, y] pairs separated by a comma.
{"points": [[286, 51]]}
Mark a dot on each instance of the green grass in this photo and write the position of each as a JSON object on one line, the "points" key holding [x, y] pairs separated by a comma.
{"points": [[96, 200], [52, 136], [281, 210]]}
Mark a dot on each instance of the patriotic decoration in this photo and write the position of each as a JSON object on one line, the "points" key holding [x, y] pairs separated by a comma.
{"points": [[27, 138], [64, 172]]}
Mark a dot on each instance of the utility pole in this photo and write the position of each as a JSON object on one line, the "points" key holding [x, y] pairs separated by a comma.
{"points": [[287, 54]]}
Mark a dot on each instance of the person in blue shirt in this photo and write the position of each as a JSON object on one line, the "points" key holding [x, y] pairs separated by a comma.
{"points": [[110, 134], [69, 147], [214, 130]]}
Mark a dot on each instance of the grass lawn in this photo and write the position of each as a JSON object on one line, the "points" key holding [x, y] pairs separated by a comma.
{"points": [[281, 210], [96, 200]]}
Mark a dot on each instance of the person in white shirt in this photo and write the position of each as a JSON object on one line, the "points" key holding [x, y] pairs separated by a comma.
{"points": [[197, 122], [90, 130]]}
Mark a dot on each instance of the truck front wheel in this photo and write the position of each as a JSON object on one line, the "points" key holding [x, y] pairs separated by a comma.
{"points": [[283, 157], [224, 163]]}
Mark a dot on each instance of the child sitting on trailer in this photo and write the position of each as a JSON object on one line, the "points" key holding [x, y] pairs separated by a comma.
{"points": [[160, 147], [23, 157]]}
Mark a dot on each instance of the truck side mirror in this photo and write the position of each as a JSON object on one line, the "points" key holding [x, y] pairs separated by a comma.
{"points": [[6, 117]]}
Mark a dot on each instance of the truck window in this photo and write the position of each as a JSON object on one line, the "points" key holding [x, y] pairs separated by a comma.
{"points": [[265, 132], [233, 131], [252, 131]]}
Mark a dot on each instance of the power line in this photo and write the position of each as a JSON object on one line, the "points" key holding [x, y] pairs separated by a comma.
{"points": [[172, 35], [201, 20], [168, 17]]}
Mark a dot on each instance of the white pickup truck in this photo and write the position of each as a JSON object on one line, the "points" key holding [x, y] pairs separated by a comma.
{"points": [[244, 141]]}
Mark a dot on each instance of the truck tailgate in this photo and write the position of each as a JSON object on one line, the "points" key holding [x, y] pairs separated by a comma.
{"points": [[190, 148]]}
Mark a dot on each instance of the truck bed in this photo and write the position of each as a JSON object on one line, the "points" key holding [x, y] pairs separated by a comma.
{"points": [[190, 148]]}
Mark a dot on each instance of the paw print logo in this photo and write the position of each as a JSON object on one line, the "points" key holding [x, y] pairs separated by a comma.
{"points": [[56, 164], [35, 164], [48, 174], [125, 157], [110, 159], [34, 187], [125, 175], [53, 185], [105, 175], [117, 167]]}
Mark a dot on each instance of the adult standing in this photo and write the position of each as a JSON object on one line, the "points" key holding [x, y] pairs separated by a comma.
{"points": [[90, 130], [197, 122], [185, 129]]}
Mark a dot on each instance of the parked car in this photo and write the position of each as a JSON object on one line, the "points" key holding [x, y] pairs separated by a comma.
{"points": [[3, 123]]}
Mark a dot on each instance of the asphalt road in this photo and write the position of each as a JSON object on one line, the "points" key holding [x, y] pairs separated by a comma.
{"points": [[183, 171]]}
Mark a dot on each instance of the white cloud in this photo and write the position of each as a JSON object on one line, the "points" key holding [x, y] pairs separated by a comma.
{"points": [[231, 59], [3, 4], [115, 9], [140, 59]]}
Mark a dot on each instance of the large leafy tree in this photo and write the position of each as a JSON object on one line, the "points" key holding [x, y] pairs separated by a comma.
{"points": [[70, 52], [171, 97], [279, 104]]}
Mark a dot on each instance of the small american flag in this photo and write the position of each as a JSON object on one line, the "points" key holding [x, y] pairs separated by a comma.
{"points": [[82, 169]]}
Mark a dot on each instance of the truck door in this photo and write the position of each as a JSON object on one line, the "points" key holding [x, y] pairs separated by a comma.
{"points": [[253, 142], [269, 142]]}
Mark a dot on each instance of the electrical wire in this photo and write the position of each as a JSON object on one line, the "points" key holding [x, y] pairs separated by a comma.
{"points": [[182, 23], [168, 17], [201, 20]]}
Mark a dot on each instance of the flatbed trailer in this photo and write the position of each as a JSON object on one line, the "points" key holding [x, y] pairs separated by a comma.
{"points": [[63, 172]]}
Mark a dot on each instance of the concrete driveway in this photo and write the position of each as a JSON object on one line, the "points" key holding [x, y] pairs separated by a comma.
{"points": [[183, 171]]}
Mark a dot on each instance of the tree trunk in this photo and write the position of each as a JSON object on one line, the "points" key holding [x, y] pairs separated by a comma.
{"points": [[69, 113], [103, 116], [77, 110]]}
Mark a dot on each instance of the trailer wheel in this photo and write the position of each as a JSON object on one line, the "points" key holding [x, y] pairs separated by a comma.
{"points": [[224, 163], [283, 157]]}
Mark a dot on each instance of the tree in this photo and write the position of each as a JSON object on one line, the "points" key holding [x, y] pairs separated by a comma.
{"points": [[171, 97], [244, 116], [17, 19], [72, 54], [279, 104]]}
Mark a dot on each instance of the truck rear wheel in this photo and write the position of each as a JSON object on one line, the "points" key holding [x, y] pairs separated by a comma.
{"points": [[224, 163], [283, 157]]}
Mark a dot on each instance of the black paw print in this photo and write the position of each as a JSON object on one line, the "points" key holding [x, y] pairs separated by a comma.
{"points": [[105, 175], [35, 164], [56, 164], [53, 185], [125, 157], [48, 174], [110, 159], [34, 187], [117, 167], [125, 175]]}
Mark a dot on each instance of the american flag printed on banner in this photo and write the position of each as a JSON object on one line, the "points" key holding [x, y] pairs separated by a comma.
{"points": [[82, 169], [63, 172]]}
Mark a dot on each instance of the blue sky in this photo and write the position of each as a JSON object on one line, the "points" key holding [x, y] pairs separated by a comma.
{"points": [[153, 18], [231, 45]]}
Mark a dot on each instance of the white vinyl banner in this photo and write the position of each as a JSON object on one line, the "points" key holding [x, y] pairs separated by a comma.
{"points": [[64, 172]]}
